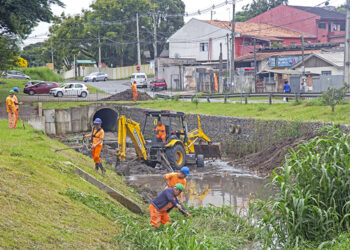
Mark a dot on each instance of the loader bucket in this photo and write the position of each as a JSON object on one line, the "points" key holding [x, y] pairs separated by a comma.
{"points": [[212, 150]]}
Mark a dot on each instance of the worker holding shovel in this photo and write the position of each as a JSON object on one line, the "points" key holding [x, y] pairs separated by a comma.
{"points": [[10, 107], [97, 136], [161, 206]]}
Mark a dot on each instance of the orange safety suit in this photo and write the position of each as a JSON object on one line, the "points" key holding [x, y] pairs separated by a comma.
{"points": [[158, 216], [173, 180], [161, 133], [16, 109], [11, 111], [134, 91], [96, 135]]}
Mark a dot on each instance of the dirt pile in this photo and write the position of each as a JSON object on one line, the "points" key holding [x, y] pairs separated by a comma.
{"points": [[264, 162], [127, 96]]}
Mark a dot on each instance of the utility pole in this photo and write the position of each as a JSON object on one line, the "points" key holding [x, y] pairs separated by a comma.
{"points": [[99, 53], [303, 61], [75, 68], [52, 59], [347, 46], [138, 41], [233, 44], [220, 70], [228, 57], [155, 45], [255, 69]]}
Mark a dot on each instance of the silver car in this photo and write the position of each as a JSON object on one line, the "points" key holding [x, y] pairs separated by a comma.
{"points": [[96, 76], [15, 75]]}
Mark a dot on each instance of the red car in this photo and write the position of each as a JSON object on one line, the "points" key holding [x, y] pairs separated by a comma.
{"points": [[40, 88], [158, 84]]}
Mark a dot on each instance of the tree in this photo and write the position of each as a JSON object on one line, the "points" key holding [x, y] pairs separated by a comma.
{"points": [[8, 52], [20, 17], [36, 54], [257, 7], [334, 96]]}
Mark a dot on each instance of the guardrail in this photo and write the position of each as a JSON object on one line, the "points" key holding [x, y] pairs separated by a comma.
{"points": [[245, 96]]}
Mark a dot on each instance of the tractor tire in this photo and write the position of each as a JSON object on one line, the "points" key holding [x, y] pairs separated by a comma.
{"points": [[176, 156], [200, 161], [151, 164]]}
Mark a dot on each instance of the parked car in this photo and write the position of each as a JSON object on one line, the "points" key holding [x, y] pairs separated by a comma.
{"points": [[158, 84], [140, 78], [15, 75], [96, 76], [40, 88], [70, 89], [32, 82]]}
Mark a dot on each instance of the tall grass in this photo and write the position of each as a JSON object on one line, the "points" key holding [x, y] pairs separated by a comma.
{"points": [[209, 228], [312, 204], [43, 74]]}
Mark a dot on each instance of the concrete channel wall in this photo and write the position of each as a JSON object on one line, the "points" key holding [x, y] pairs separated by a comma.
{"points": [[255, 134]]}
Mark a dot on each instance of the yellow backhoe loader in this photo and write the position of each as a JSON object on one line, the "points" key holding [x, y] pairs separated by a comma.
{"points": [[181, 147]]}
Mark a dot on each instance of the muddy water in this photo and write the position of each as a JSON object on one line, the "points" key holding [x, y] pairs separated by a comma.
{"points": [[217, 184]]}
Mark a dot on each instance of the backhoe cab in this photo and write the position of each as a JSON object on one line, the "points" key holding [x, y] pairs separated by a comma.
{"points": [[180, 147]]}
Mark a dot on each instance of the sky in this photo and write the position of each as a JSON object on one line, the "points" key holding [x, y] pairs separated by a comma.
{"points": [[224, 13]]}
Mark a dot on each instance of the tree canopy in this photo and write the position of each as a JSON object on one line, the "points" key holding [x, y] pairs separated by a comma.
{"points": [[114, 22]]}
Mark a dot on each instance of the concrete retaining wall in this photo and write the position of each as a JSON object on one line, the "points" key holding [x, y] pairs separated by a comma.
{"points": [[255, 135]]}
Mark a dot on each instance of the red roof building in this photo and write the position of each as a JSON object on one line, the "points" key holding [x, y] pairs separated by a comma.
{"points": [[322, 24]]}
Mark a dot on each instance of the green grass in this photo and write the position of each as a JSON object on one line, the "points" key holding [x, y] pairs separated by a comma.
{"points": [[43, 74], [67, 105], [34, 212], [10, 84], [279, 111], [93, 90]]}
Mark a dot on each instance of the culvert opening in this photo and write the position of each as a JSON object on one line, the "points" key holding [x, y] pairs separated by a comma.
{"points": [[109, 119]]}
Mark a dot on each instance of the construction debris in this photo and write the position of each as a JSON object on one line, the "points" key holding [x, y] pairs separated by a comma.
{"points": [[127, 96]]}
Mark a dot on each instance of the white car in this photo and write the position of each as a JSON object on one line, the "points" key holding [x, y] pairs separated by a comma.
{"points": [[140, 79], [96, 76], [70, 89]]}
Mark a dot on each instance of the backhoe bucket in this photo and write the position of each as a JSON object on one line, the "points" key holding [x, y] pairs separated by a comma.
{"points": [[212, 150]]}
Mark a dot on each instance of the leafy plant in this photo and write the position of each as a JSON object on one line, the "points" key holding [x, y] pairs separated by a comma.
{"points": [[176, 98], [334, 96], [195, 100], [313, 189]]}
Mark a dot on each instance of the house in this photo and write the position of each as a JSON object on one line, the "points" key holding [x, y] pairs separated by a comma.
{"points": [[201, 39], [324, 24], [330, 63]]}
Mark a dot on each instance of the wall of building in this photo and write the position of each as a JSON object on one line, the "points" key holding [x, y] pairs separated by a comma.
{"points": [[289, 17]]}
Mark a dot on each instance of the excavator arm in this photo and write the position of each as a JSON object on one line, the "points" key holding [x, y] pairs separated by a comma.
{"points": [[127, 127], [198, 133]]}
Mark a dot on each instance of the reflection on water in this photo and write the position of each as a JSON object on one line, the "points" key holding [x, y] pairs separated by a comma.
{"points": [[217, 184]]}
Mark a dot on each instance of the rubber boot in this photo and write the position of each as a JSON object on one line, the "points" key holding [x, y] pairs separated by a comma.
{"points": [[102, 168], [97, 164]]}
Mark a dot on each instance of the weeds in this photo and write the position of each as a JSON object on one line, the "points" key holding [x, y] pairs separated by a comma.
{"points": [[209, 228], [313, 188]]}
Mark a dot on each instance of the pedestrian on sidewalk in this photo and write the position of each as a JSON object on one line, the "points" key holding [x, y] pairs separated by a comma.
{"points": [[134, 91], [161, 206], [10, 107], [173, 178], [16, 90], [97, 135], [286, 89]]}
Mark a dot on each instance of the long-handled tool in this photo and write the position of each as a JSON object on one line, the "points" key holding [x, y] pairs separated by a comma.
{"points": [[20, 116]]}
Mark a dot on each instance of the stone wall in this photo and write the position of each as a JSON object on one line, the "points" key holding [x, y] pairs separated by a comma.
{"points": [[255, 134]]}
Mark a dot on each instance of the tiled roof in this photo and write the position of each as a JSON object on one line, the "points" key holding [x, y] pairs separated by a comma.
{"points": [[260, 56], [323, 13], [262, 30]]}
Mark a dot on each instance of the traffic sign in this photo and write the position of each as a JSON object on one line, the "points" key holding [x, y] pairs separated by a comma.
{"points": [[138, 68]]}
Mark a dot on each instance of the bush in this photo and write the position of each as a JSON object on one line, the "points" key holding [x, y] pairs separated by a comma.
{"points": [[313, 189], [176, 98], [333, 97], [44, 74]]}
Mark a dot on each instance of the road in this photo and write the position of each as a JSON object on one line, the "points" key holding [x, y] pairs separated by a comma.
{"points": [[110, 87]]}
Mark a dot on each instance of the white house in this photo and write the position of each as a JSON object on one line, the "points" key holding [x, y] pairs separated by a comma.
{"points": [[199, 40], [325, 63]]}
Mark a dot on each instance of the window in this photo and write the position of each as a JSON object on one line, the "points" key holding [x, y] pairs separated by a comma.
{"points": [[322, 26], [203, 47], [342, 27], [326, 73], [141, 76], [78, 86], [41, 84]]}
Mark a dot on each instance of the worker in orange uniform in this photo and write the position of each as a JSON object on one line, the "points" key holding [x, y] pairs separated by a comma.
{"points": [[173, 178], [134, 91], [164, 203], [16, 90], [97, 136], [160, 131], [11, 109]]}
